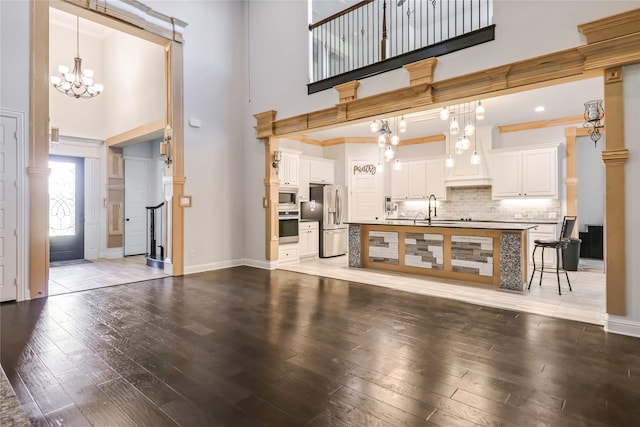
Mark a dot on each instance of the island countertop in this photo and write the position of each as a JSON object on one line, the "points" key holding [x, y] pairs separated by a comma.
{"points": [[484, 225]]}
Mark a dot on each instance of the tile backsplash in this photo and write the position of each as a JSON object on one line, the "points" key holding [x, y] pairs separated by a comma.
{"points": [[476, 203]]}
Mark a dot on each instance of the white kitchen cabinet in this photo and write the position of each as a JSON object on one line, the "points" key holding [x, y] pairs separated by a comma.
{"points": [[309, 244], [418, 179], [289, 169], [288, 253], [322, 171], [435, 176], [542, 232], [525, 173], [400, 183], [303, 190]]}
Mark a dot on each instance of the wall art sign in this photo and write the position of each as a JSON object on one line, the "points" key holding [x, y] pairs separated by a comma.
{"points": [[364, 169]]}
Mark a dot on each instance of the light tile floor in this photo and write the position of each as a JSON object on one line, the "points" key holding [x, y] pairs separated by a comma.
{"points": [[100, 273], [586, 303]]}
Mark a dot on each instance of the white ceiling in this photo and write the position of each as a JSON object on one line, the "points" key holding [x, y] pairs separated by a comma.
{"points": [[562, 100], [68, 21]]}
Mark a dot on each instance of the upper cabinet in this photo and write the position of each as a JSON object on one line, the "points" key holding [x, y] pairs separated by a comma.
{"points": [[525, 173], [322, 171], [303, 191], [419, 179], [289, 169]]}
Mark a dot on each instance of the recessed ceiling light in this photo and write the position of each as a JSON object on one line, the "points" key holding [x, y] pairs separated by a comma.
{"points": [[539, 109]]}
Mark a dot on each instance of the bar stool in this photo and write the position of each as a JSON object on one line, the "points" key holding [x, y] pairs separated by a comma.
{"points": [[565, 235]]}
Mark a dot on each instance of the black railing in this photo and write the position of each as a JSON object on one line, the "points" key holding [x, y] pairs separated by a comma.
{"points": [[155, 235], [374, 31]]}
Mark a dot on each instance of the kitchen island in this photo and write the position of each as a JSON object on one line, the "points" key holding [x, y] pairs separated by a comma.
{"points": [[486, 253]]}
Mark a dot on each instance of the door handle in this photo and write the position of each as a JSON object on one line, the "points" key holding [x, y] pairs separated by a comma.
{"points": [[127, 219]]}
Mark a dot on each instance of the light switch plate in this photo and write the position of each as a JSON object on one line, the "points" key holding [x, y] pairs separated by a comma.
{"points": [[185, 201]]}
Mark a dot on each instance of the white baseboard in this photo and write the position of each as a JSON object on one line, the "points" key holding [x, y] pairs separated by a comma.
{"points": [[112, 253], [265, 265], [212, 266], [622, 326]]}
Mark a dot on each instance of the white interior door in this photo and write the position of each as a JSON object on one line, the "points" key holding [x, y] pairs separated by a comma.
{"points": [[365, 187], [136, 192], [8, 209]]}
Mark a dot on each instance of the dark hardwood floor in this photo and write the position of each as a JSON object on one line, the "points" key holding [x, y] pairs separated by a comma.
{"points": [[249, 347]]}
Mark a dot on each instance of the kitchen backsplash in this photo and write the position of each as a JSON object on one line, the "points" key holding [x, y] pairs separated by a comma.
{"points": [[476, 203]]}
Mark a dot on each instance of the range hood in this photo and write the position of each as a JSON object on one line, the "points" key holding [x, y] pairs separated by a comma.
{"points": [[463, 173]]}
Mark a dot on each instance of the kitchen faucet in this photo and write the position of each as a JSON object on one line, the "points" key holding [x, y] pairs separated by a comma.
{"points": [[435, 209]]}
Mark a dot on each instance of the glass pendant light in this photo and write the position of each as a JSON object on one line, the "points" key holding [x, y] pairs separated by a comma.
{"points": [[402, 126], [374, 126], [469, 128], [454, 128], [444, 113], [449, 162], [475, 158], [382, 141], [395, 140], [479, 111]]}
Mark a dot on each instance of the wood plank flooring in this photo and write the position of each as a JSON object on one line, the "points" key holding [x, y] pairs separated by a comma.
{"points": [[250, 347]]}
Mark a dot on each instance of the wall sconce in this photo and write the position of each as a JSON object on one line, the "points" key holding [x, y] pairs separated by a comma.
{"points": [[165, 146], [54, 138], [277, 158], [593, 114]]}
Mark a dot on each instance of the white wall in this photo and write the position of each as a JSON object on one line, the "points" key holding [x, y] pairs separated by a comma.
{"points": [[215, 92], [630, 324], [14, 47], [133, 78]]}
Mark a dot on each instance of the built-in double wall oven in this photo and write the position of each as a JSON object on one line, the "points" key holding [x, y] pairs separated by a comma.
{"points": [[288, 216]]}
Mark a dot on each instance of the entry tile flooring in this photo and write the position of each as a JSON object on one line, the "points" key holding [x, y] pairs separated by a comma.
{"points": [[586, 303], [100, 273]]}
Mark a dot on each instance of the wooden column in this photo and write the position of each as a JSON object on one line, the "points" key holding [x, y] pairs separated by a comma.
{"points": [[264, 129], [38, 169], [614, 157], [174, 178]]}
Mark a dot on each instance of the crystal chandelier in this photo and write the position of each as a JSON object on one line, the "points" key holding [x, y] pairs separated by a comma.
{"points": [[463, 117], [388, 139], [77, 83]]}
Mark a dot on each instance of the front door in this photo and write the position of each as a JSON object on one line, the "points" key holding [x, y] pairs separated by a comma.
{"points": [[66, 208]]}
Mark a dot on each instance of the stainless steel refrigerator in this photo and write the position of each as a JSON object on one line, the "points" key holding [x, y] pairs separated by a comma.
{"points": [[328, 205]]}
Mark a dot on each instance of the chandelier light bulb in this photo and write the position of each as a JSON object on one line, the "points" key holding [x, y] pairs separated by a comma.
{"points": [[459, 145], [382, 140], [397, 165], [454, 128], [465, 143], [444, 113], [55, 80], [402, 126], [475, 158], [87, 73], [479, 111], [389, 153], [469, 129], [63, 69], [395, 140], [449, 162], [374, 126]]}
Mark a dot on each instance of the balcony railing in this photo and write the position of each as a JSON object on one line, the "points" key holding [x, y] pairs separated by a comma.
{"points": [[374, 36]]}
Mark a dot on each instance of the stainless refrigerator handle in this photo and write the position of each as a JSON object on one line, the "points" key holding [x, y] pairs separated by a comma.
{"points": [[338, 207]]}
